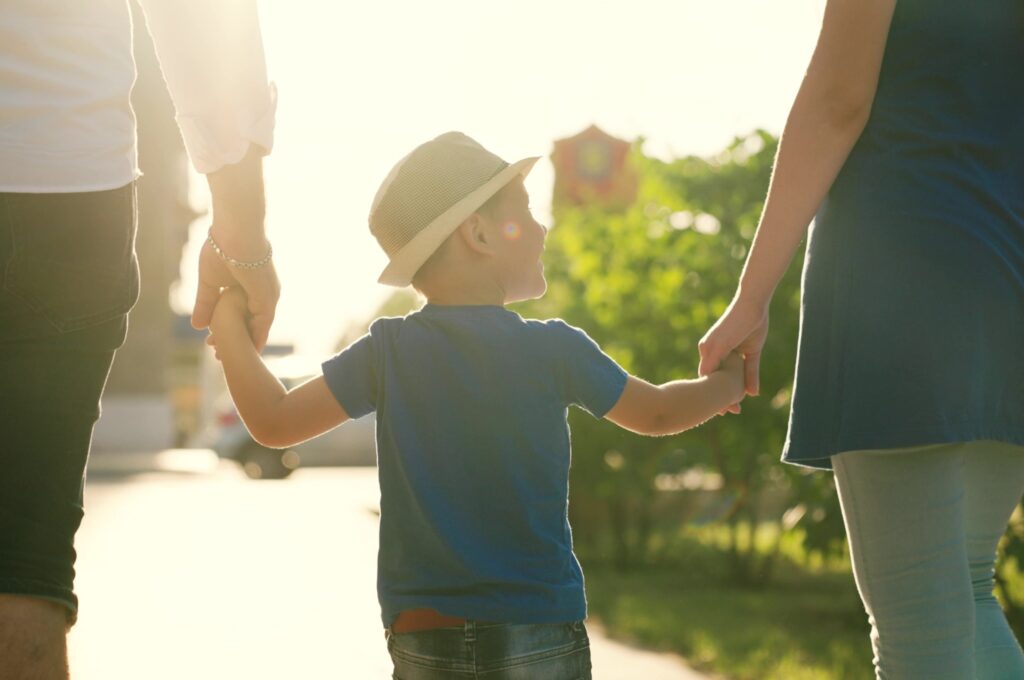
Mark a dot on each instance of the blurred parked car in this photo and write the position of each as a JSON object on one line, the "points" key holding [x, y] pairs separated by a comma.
{"points": [[349, 444]]}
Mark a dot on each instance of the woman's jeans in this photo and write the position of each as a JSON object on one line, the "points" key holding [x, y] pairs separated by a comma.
{"points": [[68, 276], [923, 525], [493, 651]]}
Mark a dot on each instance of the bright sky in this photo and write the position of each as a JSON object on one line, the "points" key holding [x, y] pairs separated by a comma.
{"points": [[362, 84]]}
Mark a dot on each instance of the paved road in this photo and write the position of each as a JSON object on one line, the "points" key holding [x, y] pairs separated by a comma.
{"points": [[187, 570]]}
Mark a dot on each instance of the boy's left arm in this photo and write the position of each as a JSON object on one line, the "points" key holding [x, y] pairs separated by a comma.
{"points": [[677, 406], [275, 416]]}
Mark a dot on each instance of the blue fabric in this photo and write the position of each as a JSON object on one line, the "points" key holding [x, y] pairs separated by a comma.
{"points": [[913, 293], [473, 456]]}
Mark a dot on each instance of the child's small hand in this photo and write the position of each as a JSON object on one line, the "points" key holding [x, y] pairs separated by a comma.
{"points": [[229, 316], [732, 366], [232, 307]]}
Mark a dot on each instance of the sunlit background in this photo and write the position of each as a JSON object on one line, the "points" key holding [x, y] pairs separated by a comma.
{"points": [[361, 84], [189, 568]]}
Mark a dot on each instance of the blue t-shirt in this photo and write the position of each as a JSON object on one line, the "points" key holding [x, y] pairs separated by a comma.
{"points": [[473, 457]]}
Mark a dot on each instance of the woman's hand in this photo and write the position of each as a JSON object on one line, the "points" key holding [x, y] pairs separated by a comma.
{"points": [[742, 329]]}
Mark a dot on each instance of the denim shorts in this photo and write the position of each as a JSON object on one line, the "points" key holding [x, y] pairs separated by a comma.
{"points": [[68, 277], [493, 651]]}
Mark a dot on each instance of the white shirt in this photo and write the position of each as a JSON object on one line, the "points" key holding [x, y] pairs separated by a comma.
{"points": [[66, 74]]}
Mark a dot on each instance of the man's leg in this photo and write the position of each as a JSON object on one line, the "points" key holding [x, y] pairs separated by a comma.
{"points": [[33, 644], [68, 277]]}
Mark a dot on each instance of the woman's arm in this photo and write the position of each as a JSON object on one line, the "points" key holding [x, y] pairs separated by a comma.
{"points": [[274, 416], [827, 118]]}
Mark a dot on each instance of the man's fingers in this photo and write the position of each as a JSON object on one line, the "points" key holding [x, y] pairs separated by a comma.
{"points": [[751, 373]]}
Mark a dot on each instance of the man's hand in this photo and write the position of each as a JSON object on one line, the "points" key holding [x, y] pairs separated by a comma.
{"points": [[238, 211], [261, 287]]}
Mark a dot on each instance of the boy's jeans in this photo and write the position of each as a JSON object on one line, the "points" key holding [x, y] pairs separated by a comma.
{"points": [[923, 525], [493, 651]]}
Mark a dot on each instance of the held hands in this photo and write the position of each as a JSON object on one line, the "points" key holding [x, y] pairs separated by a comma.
{"points": [[732, 368], [742, 329], [238, 213], [230, 317], [261, 292]]}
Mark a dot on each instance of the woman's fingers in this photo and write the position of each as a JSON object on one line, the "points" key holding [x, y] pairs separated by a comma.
{"points": [[710, 355]]}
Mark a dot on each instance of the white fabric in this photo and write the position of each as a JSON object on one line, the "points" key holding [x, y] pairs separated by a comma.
{"points": [[66, 73]]}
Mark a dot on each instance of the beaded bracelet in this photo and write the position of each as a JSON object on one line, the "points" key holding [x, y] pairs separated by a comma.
{"points": [[238, 263]]}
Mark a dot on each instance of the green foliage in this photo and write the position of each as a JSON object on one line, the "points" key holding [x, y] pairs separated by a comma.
{"points": [[1010, 572], [806, 627], [646, 283]]}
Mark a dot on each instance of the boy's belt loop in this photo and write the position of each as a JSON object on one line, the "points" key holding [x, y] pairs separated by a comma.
{"points": [[470, 631]]}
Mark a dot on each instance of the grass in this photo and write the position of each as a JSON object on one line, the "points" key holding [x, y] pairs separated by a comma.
{"points": [[807, 624]]}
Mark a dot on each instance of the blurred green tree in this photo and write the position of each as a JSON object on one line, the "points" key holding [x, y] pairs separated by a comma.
{"points": [[646, 282]]}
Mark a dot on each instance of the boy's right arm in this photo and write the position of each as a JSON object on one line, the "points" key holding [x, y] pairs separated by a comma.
{"points": [[275, 416], [679, 405]]}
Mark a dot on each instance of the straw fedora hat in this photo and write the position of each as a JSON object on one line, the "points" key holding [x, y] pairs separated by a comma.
{"points": [[429, 193]]}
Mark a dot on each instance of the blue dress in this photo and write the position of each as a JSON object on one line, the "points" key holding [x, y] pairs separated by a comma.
{"points": [[912, 319]]}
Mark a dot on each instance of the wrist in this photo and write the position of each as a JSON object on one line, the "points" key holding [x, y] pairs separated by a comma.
{"points": [[228, 324], [236, 263], [730, 386], [753, 296]]}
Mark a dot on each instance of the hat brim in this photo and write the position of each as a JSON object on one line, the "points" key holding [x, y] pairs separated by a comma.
{"points": [[407, 261]]}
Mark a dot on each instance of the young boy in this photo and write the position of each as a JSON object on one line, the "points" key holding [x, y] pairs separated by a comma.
{"points": [[476, 571]]}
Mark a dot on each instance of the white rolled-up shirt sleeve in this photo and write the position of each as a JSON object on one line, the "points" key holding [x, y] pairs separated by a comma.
{"points": [[211, 55]]}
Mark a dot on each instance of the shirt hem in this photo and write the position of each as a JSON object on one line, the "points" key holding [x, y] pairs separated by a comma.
{"points": [[66, 189], [486, 613], [880, 441]]}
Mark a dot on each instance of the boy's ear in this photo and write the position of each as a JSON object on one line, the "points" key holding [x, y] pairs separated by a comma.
{"points": [[473, 232]]}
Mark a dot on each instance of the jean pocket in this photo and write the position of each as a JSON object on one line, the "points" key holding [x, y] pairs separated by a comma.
{"points": [[72, 256]]}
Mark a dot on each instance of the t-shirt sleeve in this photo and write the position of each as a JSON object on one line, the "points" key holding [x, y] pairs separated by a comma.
{"points": [[588, 377], [351, 375]]}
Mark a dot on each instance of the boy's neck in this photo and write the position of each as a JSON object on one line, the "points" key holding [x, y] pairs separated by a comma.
{"points": [[465, 298], [467, 289]]}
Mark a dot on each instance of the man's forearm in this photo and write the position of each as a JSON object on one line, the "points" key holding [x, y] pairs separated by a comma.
{"points": [[239, 206]]}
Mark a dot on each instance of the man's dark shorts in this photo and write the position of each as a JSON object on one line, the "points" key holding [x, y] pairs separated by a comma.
{"points": [[68, 277]]}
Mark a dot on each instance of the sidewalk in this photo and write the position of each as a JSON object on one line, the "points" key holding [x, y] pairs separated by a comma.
{"points": [[261, 580], [615, 660]]}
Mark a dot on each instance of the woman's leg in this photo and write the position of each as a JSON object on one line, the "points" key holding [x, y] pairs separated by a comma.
{"points": [[905, 520], [995, 480]]}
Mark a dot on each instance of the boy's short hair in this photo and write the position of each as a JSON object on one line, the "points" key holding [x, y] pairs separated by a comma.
{"points": [[429, 193]]}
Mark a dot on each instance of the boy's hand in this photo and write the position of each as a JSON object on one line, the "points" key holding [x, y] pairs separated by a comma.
{"points": [[230, 316], [733, 367], [232, 307]]}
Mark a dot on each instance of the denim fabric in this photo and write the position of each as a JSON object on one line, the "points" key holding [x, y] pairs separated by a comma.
{"points": [[923, 525], [491, 651], [68, 276]]}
